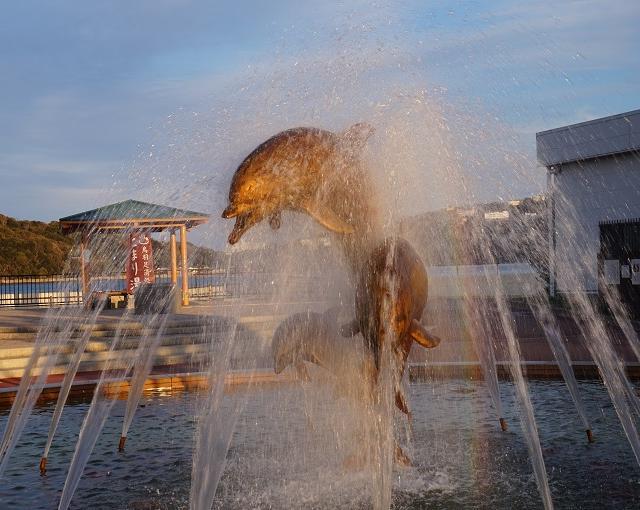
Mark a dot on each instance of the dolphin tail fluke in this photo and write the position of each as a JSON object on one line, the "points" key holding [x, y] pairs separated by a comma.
{"points": [[327, 218], [350, 329], [422, 336], [302, 372]]}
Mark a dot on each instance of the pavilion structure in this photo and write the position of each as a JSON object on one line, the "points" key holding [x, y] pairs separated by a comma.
{"points": [[136, 216]]}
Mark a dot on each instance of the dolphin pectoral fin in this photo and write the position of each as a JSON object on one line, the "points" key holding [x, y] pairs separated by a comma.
{"points": [[400, 457], [401, 402], [350, 329], [327, 218], [302, 372], [403, 406], [275, 219], [422, 336]]}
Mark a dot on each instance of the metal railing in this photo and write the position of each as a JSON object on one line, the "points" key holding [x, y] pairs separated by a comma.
{"points": [[36, 290], [204, 284], [217, 283]]}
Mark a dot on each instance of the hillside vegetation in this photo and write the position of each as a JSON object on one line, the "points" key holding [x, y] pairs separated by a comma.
{"points": [[38, 248], [32, 247]]}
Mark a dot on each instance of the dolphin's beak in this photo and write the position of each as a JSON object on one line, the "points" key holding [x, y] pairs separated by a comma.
{"points": [[244, 222], [238, 229], [230, 212]]}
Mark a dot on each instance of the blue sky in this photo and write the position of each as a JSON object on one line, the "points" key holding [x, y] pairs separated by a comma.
{"points": [[90, 89]]}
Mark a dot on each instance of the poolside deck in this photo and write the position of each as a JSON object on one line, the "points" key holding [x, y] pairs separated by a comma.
{"points": [[184, 343], [177, 363]]}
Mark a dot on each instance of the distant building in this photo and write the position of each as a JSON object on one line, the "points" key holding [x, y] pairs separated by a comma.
{"points": [[593, 176], [502, 232], [497, 215]]}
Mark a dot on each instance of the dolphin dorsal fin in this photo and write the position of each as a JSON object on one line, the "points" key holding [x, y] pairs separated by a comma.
{"points": [[331, 316], [422, 336], [357, 135], [350, 328], [327, 218]]}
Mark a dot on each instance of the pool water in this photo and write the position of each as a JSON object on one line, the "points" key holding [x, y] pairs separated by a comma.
{"points": [[290, 443]]}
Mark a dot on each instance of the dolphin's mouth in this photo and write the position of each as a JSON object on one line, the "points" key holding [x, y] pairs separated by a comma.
{"points": [[230, 212], [241, 226], [245, 219]]}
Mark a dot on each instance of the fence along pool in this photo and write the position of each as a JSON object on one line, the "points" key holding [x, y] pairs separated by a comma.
{"points": [[59, 290], [444, 281]]}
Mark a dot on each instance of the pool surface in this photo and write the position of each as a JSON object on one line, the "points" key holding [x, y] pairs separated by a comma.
{"points": [[290, 443]]}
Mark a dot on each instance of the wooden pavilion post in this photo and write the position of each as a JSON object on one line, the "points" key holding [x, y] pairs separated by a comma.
{"points": [[174, 258], [183, 265]]}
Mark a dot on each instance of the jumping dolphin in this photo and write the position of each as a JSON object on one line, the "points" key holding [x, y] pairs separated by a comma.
{"points": [[315, 338], [307, 336], [302, 169], [390, 299]]}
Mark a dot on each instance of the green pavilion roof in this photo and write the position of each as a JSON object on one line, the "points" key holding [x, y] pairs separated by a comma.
{"points": [[132, 213]]}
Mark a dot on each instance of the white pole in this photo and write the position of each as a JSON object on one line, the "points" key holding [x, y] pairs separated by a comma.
{"points": [[551, 211]]}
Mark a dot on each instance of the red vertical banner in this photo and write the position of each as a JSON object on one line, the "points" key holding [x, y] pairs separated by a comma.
{"points": [[140, 262]]}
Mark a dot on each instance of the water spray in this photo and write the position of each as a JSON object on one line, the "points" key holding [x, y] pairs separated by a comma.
{"points": [[67, 382]]}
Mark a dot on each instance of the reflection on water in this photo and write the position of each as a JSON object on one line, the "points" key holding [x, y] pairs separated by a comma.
{"points": [[289, 446]]}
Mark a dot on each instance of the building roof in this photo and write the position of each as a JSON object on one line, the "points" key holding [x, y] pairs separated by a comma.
{"points": [[595, 138], [132, 213]]}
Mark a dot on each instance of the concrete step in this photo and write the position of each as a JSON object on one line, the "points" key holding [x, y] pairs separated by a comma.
{"points": [[97, 360], [264, 329], [182, 341], [18, 329], [10, 349], [24, 334], [167, 355], [15, 354], [130, 329], [15, 349]]}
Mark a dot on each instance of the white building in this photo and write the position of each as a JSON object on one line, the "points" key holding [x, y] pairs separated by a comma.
{"points": [[593, 176]]}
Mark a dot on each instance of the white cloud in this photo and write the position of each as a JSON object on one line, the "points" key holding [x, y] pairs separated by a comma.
{"points": [[171, 97]]}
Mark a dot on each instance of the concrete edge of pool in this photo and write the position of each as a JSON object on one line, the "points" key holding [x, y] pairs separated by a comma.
{"points": [[173, 380]]}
